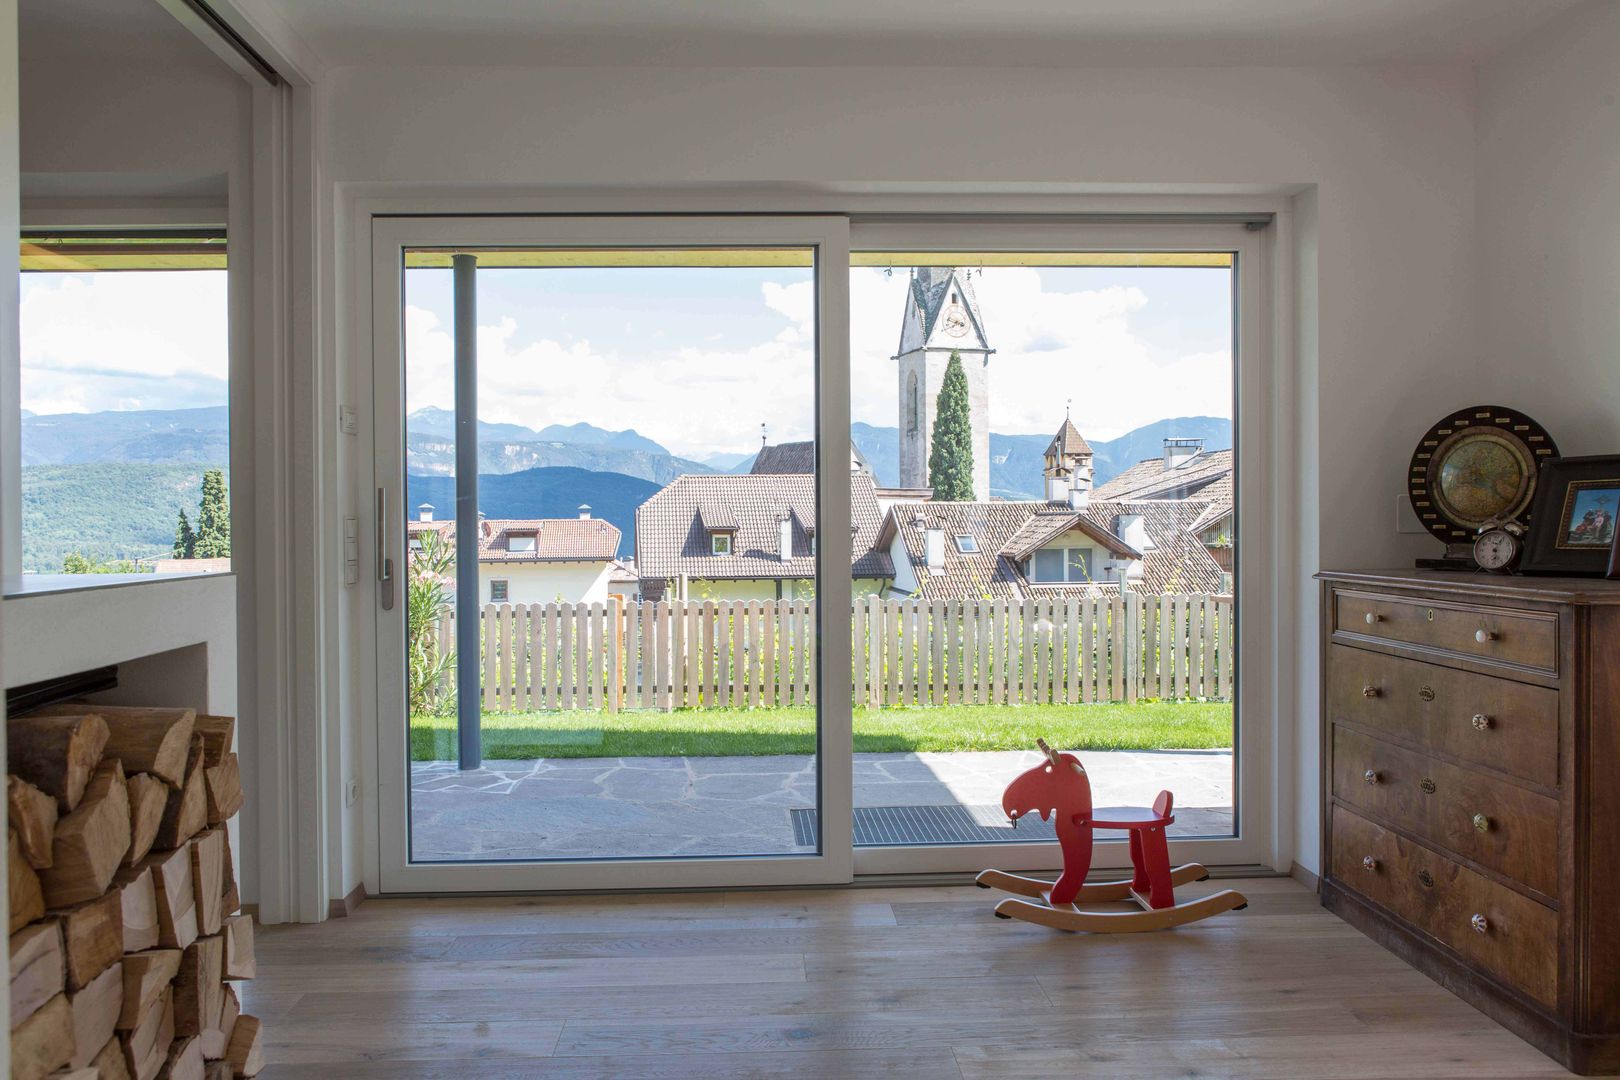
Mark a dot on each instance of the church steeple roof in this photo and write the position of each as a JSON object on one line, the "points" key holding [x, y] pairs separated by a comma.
{"points": [[934, 290], [1067, 441]]}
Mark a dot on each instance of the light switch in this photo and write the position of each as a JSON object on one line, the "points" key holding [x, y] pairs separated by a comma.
{"points": [[348, 420]]}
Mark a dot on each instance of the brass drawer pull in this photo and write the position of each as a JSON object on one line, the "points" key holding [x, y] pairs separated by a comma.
{"points": [[1369, 691], [1426, 878], [1482, 823], [1483, 636], [1373, 617], [1481, 722], [1371, 776], [1427, 785], [1480, 924], [1369, 863], [1426, 693]]}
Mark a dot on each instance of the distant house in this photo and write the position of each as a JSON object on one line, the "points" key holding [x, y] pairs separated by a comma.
{"points": [[1071, 543], [536, 560], [749, 537], [1187, 472], [799, 458]]}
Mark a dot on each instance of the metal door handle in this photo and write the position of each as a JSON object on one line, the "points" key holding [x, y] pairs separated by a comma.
{"points": [[385, 565]]}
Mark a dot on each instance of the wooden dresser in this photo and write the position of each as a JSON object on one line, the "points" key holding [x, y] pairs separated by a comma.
{"points": [[1471, 791]]}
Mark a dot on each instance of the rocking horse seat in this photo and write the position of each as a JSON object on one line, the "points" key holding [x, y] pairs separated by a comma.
{"points": [[1157, 818]]}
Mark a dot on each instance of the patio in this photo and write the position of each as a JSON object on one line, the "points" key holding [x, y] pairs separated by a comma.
{"points": [[550, 808]]}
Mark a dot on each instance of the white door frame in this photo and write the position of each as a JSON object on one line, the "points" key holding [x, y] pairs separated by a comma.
{"points": [[1260, 413], [828, 236]]}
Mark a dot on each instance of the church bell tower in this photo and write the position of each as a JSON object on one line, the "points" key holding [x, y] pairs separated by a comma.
{"points": [[941, 315]]}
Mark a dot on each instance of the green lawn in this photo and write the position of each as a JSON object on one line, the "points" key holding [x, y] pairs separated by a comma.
{"points": [[1150, 725]]}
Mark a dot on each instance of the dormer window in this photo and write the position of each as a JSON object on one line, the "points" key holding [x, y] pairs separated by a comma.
{"points": [[720, 543], [520, 542]]}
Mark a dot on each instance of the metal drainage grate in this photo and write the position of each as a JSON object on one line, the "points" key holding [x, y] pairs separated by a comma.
{"points": [[953, 824]]}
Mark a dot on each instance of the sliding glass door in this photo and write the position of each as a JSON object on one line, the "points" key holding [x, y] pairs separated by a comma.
{"points": [[603, 504]]}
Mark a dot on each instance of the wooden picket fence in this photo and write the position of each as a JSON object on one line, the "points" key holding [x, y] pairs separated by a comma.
{"points": [[762, 654]]}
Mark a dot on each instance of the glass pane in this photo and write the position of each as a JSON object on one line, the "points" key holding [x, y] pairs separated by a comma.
{"points": [[1073, 415], [125, 395], [645, 492]]}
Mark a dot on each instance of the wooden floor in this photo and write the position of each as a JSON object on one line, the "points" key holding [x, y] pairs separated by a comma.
{"points": [[854, 983]]}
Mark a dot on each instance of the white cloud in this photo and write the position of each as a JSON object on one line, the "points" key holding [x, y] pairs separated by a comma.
{"points": [[135, 340]]}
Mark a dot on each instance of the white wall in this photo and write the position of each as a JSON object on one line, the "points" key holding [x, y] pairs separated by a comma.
{"points": [[546, 583], [1549, 228], [1385, 158]]}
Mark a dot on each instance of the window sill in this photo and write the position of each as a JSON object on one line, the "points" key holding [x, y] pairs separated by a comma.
{"points": [[21, 586]]}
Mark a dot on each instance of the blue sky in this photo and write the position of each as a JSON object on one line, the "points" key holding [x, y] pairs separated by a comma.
{"points": [[694, 358]]}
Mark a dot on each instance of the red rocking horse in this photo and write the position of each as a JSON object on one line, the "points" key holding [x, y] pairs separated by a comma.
{"points": [[1059, 785]]}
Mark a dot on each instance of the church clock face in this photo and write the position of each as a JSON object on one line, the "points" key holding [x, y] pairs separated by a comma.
{"points": [[956, 321]]}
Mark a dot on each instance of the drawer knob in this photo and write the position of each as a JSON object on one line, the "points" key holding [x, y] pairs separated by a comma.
{"points": [[1480, 924], [1371, 776], [1482, 636], [1373, 617], [1482, 823], [1481, 722], [1369, 863], [1426, 879], [1426, 693], [1427, 785], [1369, 691]]}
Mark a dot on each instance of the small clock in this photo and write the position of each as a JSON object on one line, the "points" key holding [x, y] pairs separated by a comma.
{"points": [[1499, 545], [956, 322]]}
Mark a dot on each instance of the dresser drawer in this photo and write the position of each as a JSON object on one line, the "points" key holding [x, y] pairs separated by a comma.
{"points": [[1503, 724], [1510, 637], [1502, 826], [1495, 929]]}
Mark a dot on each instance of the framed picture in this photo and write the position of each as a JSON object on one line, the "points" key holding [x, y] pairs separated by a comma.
{"points": [[1572, 527]]}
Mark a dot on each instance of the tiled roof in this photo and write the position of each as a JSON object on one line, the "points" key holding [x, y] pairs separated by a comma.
{"points": [[672, 538], [798, 457], [1177, 562], [555, 539], [1067, 441], [1151, 480]]}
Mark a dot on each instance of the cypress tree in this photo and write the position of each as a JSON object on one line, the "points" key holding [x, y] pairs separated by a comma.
{"points": [[185, 540], [950, 458], [213, 518]]}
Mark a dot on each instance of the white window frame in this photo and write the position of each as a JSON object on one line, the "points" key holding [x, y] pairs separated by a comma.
{"points": [[522, 543], [1259, 415], [505, 586], [828, 235], [718, 541]]}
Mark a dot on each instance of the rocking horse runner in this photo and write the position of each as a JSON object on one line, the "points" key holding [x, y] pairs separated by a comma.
{"points": [[1059, 785]]}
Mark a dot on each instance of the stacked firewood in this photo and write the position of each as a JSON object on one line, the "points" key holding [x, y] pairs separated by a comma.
{"points": [[124, 926]]}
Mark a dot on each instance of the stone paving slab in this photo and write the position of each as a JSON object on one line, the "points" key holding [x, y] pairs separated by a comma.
{"points": [[661, 806]]}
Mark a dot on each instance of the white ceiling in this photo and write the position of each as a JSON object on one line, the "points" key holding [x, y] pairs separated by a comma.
{"points": [[913, 32]]}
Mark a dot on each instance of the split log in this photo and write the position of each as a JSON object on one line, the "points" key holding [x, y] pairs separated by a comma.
{"points": [[187, 808], [208, 879], [56, 754], [217, 733], [239, 959], [92, 939], [146, 976], [217, 1038], [110, 1064], [33, 814], [232, 899], [42, 1043], [176, 900], [138, 901], [185, 1060], [148, 798], [95, 1014], [146, 740], [146, 1047], [198, 995], [38, 968], [22, 886], [223, 784], [91, 841], [218, 1070], [245, 1051]]}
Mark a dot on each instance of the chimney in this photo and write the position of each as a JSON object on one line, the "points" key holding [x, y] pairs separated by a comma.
{"points": [[1177, 452], [584, 511], [424, 512], [934, 548], [1079, 493], [784, 537], [1057, 486], [1133, 530]]}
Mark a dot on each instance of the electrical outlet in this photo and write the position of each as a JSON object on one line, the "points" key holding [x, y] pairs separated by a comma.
{"points": [[351, 792], [1406, 519]]}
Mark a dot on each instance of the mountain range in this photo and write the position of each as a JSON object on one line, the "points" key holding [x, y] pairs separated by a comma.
{"points": [[110, 484]]}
